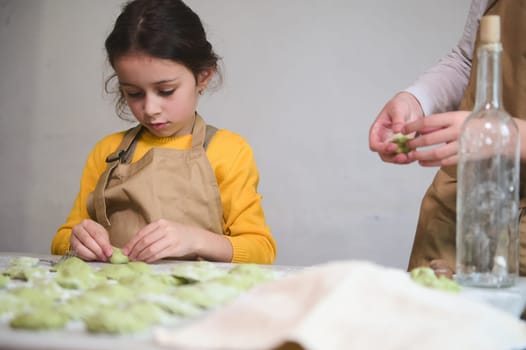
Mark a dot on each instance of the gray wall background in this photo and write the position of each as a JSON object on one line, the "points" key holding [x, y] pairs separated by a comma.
{"points": [[303, 81]]}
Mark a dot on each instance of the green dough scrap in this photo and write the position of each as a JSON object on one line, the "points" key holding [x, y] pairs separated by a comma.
{"points": [[254, 271], [4, 281], [33, 296], [79, 308], [39, 319], [205, 295], [116, 272], [148, 311], [425, 276], [401, 142], [238, 282], [115, 321], [49, 288], [70, 278], [196, 272], [175, 306], [73, 264], [140, 267], [118, 257], [148, 284], [23, 261], [111, 293], [25, 273], [245, 276], [99, 298], [10, 303]]}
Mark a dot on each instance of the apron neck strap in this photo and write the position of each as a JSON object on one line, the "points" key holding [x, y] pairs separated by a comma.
{"points": [[125, 149]]}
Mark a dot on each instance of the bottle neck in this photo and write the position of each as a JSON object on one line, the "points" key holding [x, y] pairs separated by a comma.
{"points": [[489, 78]]}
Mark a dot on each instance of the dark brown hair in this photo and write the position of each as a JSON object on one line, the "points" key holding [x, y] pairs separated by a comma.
{"points": [[166, 29]]}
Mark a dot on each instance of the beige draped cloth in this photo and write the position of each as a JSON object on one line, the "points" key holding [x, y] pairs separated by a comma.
{"points": [[349, 305]]}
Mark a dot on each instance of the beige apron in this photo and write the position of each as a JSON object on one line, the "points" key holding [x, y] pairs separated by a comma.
{"points": [[436, 229], [176, 185]]}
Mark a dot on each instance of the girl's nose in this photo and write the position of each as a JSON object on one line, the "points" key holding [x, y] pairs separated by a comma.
{"points": [[152, 106]]}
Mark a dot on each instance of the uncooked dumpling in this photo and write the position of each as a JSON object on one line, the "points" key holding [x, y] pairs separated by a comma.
{"points": [[401, 142], [115, 321], [116, 272], [39, 319], [24, 261], [118, 257]]}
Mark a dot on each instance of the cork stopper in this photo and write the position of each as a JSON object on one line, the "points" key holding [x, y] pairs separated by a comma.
{"points": [[490, 29]]}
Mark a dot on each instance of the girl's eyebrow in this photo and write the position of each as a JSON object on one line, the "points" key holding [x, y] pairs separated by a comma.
{"points": [[160, 82]]}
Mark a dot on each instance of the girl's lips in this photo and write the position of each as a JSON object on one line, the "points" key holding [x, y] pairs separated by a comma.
{"points": [[158, 126]]}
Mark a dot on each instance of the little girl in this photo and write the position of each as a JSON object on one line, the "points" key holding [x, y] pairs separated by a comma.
{"points": [[173, 186]]}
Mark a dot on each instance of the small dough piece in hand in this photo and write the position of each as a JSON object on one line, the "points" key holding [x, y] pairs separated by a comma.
{"points": [[425, 276], [118, 257], [401, 142]]}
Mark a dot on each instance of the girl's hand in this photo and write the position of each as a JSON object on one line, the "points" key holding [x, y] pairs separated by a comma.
{"points": [[401, 109], [440, 130], [163, 238], [90, 241]]}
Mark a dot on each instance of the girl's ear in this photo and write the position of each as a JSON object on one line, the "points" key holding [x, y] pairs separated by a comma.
{"points": [[204, 78]]}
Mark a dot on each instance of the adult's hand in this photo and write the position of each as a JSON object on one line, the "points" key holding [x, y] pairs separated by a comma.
{"points": [[401, 109], [440, 130]]}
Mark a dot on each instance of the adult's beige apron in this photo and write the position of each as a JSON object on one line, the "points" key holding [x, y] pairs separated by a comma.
{"points": [[177, 185], [435, 236]]}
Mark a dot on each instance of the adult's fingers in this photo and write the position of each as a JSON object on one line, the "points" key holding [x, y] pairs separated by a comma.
{"points": [[435, 156], [378, 134], [438, 137], [396, 158]]}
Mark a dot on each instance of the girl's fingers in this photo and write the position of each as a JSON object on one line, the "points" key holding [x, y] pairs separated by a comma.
{"points": [[101, 237], [85, 240], [144, 238], [155, 252], [84, 253]]}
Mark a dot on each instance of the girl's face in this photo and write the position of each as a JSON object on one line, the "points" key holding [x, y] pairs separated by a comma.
{"points": [[162, 94]]}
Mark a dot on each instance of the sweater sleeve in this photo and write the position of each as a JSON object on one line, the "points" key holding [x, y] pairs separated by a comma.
{"points": [[440, 89], [244, 219], [93, 168]]}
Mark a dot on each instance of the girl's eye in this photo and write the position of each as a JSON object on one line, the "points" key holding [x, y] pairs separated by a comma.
{"points": [[166, 92], [133, 94]]}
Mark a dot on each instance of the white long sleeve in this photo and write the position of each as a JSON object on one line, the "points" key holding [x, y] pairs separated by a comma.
{"points": [[441, 88]]}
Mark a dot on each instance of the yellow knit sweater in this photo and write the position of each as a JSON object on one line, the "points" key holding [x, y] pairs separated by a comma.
{"points": [[233, 163]]}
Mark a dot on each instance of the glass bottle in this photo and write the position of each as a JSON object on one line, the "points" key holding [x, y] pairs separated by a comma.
{"points": [[488, 177]]}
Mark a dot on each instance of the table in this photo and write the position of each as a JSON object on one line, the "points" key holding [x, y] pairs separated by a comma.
{"points": [[74, 337], [512, 300]]}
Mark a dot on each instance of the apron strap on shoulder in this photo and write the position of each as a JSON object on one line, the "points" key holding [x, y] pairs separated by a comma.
{"points": [[201, 136], [127, 146], [210, 132]]}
